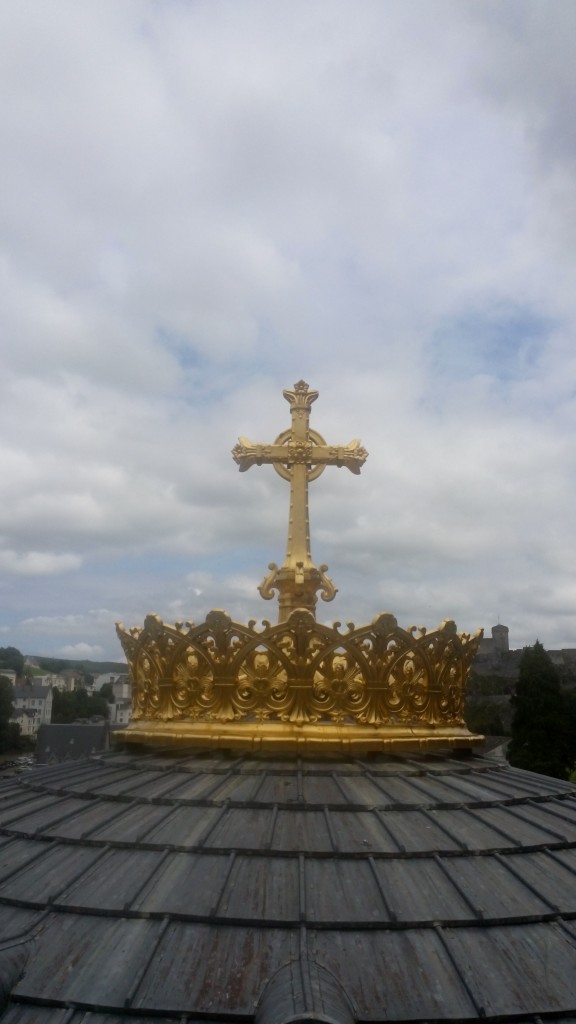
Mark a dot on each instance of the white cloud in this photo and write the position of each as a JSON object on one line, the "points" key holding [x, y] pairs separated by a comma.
{"points": [[202, 203], [81, 651], [71, 622], [37, 563]]}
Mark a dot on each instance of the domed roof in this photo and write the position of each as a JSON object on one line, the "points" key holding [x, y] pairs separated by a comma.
{"points": [[196, 886], [313, 855]]}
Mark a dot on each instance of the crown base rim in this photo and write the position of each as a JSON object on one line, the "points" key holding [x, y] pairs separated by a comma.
{"points": [[306, 738]]}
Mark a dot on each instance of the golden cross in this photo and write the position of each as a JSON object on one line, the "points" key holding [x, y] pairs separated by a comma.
{"points": [[298, 455]]}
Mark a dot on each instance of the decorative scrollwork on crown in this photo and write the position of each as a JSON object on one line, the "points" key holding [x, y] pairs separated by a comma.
{"points": [[298, 672]]}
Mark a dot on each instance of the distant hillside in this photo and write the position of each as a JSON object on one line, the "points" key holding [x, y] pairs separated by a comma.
{"points": [[94, 668]]}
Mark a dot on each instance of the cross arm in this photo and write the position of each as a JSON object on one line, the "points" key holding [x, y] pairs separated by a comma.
{"points": [[246, 454], [352, 455]]}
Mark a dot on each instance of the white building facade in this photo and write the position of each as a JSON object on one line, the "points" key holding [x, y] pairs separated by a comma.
{"points": [[32, 708]]}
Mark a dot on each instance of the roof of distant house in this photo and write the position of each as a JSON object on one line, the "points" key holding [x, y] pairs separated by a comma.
{"points": [[36, 692], [70, 742]]}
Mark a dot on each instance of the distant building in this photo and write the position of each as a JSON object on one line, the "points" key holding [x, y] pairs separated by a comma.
{"points": [[26, 719], [9, 673], [120, 712], [497, 643], [565, 660], [495, 657], [36, 701], [67, 679], [72, 680], [122, 688], [50, 679], [105, 677]]}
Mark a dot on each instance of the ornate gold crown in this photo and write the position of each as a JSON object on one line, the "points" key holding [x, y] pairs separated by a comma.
{"points": [[298, 685]]}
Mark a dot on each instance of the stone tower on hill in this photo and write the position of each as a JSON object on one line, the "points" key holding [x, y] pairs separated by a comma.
{"points": [[497, 644]]}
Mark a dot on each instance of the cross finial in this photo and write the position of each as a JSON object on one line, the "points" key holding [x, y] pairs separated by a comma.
{"points": [[299, 455]]}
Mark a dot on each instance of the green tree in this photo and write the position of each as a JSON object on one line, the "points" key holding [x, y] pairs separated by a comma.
{"points": [[10, 657], [68, 707], [489, 685], [63, 706], [55, 665], [542, 739], [484, 717], [107, 691], [7, 730]]}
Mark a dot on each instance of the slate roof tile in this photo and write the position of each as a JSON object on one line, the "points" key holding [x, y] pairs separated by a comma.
{"points": [[157, 883]]}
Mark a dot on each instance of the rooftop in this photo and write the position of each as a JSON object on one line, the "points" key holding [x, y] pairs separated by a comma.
{"points": [[215, 886]]}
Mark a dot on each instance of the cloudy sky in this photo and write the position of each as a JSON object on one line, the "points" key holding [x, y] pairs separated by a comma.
{"points": [[203, 201]]}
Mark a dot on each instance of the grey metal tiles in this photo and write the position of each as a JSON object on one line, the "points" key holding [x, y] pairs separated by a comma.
{"points": [[406, 975], [181, 886], [213, 970]]}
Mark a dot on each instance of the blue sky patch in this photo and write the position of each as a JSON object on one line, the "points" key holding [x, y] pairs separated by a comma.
{"points": [[503, 341]]}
